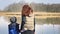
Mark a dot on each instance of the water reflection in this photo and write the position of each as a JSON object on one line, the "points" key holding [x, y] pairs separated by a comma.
{"points": [[47, 29], [40, 29], [3, 25]]}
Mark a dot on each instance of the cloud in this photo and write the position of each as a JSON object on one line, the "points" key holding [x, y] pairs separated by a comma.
{"points": [[0, 0], [18, 1]]}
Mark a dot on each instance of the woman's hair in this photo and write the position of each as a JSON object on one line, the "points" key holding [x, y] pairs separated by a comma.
{"points": [[26, 10]]}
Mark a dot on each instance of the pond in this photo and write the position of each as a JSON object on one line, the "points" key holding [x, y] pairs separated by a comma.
{"points": [[39, 29], [47, 29]]}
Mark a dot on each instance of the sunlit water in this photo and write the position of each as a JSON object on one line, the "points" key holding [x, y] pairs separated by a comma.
{"points": [[39, 29], [47, 29]]}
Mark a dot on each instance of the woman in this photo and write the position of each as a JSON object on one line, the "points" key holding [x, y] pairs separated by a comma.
{"points": [[27, 25]]}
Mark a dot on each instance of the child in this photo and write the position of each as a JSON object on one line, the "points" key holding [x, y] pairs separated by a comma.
{"points": [[13, 27]]}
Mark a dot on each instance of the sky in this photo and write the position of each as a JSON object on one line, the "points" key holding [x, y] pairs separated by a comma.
{"points": [[4, 3]]}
